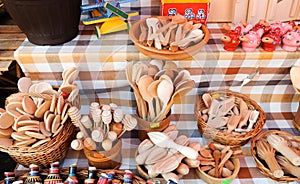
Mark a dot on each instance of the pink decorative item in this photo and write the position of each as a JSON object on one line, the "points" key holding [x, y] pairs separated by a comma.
{"points": [[281, 28], [251, 40], [291, 41]]}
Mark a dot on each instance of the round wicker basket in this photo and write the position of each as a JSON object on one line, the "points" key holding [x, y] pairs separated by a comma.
{"points": [[152, 52], [52, 151], [212, 180], [261, 165], [82, 174], [221, 136]]}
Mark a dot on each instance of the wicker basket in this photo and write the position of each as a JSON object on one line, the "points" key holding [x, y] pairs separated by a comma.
{"points": [[234, 140], [82, 174], [262, 166], [110, 159], [212, 180], [54, 150], [188, 52]]}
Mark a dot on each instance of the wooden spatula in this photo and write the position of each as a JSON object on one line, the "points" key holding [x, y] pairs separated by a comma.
{"points": [[162, 140]]}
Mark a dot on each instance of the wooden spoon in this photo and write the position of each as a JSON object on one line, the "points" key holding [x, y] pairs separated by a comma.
{"points": [[177, 19], [143, 85], [182, 76], [152, 89], [217, 157], [164, 91], [177, 95], [141, 106]]}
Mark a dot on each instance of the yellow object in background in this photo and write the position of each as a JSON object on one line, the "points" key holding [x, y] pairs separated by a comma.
{"points": [[113, 26]]}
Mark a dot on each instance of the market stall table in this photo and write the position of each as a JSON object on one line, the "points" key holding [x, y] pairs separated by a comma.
{"points": [[101, 63]]}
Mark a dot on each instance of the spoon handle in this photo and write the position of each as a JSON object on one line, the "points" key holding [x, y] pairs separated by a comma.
{"points": [[151, 109]]}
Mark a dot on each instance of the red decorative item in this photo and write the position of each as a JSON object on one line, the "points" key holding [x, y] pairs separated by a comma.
{"points": [[231, 39], [271, 41]]}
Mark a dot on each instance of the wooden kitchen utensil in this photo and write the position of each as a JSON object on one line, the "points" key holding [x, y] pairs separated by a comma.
{"points": [[162, 140], [293, 142]]}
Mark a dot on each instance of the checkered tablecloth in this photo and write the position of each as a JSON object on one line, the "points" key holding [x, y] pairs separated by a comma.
{"points": [[102, 78]]}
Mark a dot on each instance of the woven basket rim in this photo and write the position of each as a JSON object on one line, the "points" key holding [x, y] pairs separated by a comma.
{"points": [[264, 170], [238, 139]]}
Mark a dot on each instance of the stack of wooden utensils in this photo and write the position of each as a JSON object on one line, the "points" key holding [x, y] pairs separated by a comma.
{"points": [[101, 128], [157, 85], [170, 33], [215, 160], [38, 112], [228, 113], [167, 154], [281, 154]]}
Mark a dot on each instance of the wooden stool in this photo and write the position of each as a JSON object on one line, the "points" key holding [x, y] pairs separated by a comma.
{"points": [[296, 120]]}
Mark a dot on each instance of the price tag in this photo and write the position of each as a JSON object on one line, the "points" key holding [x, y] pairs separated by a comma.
{"points": [[226, 181]]}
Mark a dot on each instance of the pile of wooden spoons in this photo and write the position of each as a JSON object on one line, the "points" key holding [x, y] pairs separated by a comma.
{"points": [[167, 154], [216, 160], [157, 85], [170, 33], [101, 129], [36, 114], [281, 154], [228, 113]]}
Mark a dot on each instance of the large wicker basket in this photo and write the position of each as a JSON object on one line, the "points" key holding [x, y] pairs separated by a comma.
{"points": [[261, 165], [221, 136], [54, 150], [82, 174]]}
